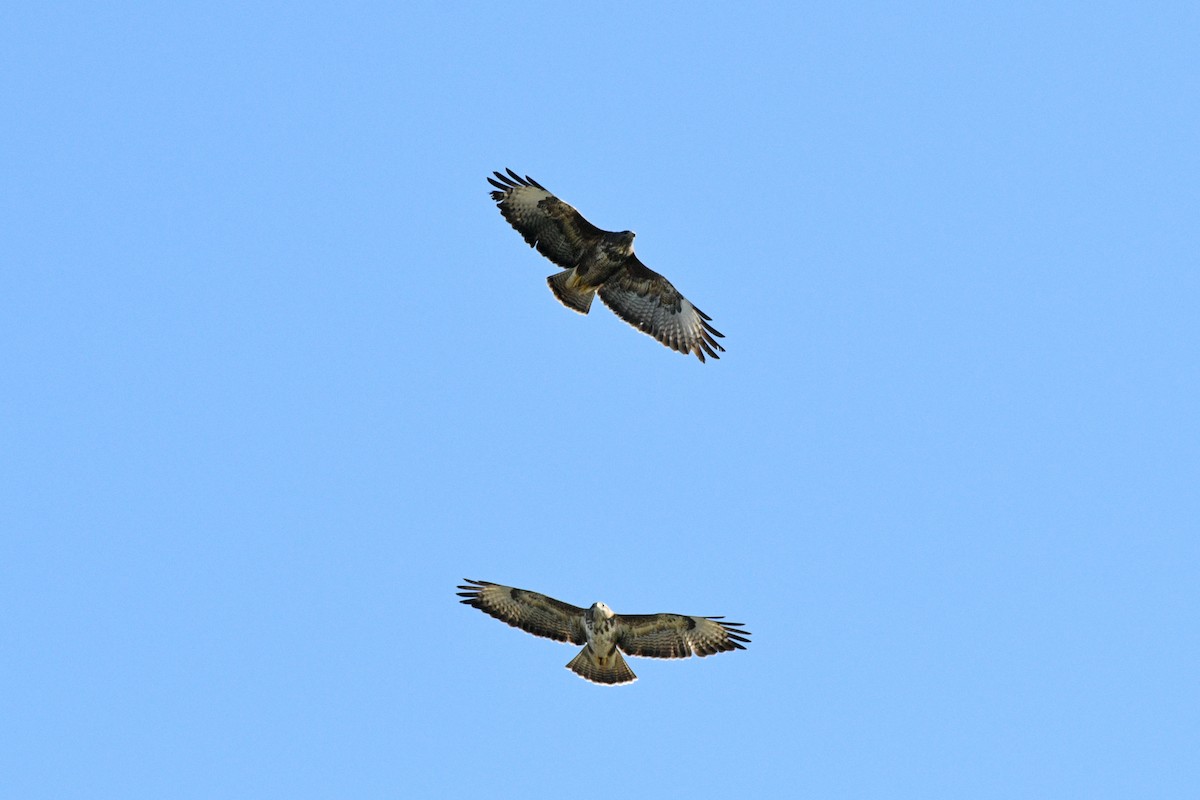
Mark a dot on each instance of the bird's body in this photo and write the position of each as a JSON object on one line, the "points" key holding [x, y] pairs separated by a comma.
{"points": [[576, 287], [600, 261], [600, 661], [604, 633]]}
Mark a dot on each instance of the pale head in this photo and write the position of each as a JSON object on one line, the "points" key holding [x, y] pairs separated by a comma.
{"points": [[602, 611]]}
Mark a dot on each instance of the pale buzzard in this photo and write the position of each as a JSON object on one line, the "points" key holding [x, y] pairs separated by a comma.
{"points": [[602, 260], [603, 633]]}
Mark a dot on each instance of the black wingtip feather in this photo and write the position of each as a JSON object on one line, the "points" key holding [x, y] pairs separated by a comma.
{"points": [[520, 181], [506, 183]]}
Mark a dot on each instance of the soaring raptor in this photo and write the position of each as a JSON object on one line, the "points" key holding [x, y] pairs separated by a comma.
{"points": [[598, 260], [603, 633]]}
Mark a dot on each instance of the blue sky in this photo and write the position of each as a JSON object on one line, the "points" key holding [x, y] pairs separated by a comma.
{"points": [[277, 376]]}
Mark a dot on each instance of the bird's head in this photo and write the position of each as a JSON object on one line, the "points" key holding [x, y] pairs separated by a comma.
{"points": [[619, 244], [602, 611]]}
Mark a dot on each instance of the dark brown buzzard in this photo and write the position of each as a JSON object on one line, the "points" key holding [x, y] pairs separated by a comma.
{"points": [[604, 261]]}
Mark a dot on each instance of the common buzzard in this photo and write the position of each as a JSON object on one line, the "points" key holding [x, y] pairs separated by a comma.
{"points": [[604, 261], [604, 633]]}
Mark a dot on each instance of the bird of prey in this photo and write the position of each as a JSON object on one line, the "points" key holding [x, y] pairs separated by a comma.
{"points": [[603, 633], [599, 260]]}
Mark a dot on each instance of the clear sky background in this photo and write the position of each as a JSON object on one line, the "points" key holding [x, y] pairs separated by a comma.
{"points": [[276, 376]]}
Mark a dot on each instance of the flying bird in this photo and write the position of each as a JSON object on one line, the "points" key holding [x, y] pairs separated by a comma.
{"points": [[603, 633], [603, 261]]}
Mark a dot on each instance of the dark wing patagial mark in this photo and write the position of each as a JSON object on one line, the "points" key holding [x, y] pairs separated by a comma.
{"points": [[556, 229], [531, 612], [678, 636]]}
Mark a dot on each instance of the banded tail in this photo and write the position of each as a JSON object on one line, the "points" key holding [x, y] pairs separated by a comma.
{"points": [[610, 669], [571, 290]]}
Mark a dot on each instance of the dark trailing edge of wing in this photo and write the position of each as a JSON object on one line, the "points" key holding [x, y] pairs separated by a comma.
{"points": [[735, 634], [706, 343], [533, 619]]}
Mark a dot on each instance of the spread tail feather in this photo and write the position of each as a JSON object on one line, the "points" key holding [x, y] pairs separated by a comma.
{"points": [[610, 669], [571, 291]]}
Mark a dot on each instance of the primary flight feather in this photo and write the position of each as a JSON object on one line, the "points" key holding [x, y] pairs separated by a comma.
{"points": [[596, 260], [603, 633]]}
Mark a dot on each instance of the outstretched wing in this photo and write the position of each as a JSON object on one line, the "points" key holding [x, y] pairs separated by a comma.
{"points": [[531, 612], [557, 230], [677, 636], [648, 302]]}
